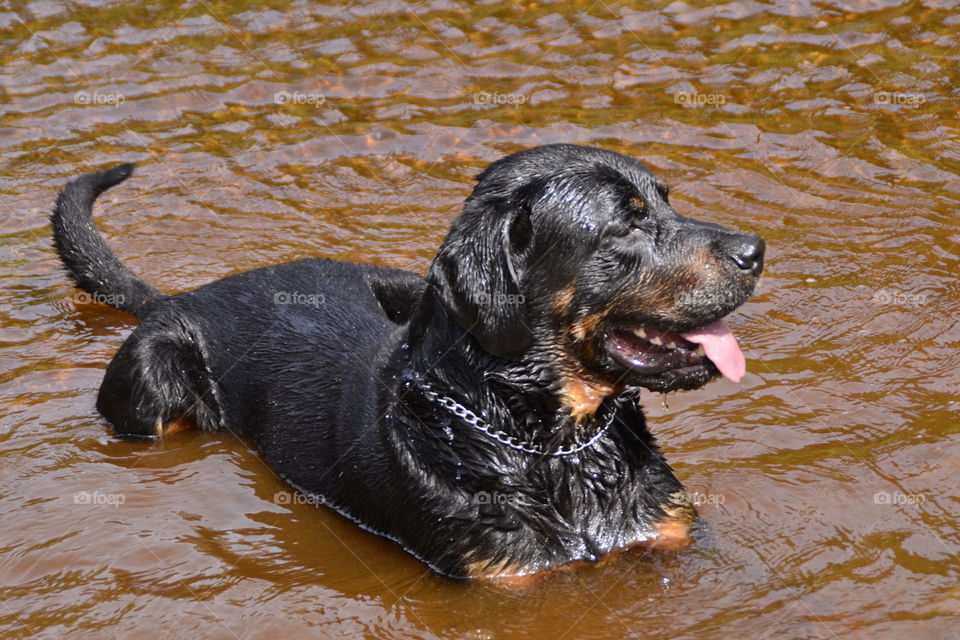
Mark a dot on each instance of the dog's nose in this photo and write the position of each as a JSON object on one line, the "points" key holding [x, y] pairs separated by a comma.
{"points": [[748, 254]]}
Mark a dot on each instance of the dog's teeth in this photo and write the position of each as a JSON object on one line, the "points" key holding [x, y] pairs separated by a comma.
{"points": [[700, 352], [640, 332], [670, 344], [656, 341]]}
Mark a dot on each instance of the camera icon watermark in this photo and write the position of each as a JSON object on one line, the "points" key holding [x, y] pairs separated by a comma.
{"points": [[111, 299], [484, 299], [97, 498], [495, 497], [98, 99], [296, 98], [897, 98], [898, 498], [698, 99], [497, 98], [290, 497], [295, 297], [889, 296]]}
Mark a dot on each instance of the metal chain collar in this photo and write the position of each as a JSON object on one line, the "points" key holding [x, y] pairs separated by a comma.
{"points": [[503, 437]]}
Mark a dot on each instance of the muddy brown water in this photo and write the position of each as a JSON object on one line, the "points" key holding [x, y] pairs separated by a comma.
{"points": [[827, 480]]}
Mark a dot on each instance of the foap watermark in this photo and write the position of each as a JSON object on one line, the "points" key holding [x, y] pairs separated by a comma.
{"points": [[900, 99], [889, 296], [509, 299], [486, 97], [98, 498], [698, 498], [99, 99], [495, 497], [286, 98], [698, 99], [898, 498], [85, 297], [295, 297], [700, 299], [290, 497]]}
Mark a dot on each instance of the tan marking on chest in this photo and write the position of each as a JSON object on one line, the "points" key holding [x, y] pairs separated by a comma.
{"points": [[583, 397]]}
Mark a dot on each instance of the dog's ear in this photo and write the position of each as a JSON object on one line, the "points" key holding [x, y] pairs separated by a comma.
{"points": [[479, 270]]}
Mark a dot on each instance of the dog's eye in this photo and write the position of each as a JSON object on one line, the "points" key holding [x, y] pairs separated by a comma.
{"points": [[636, 210]]}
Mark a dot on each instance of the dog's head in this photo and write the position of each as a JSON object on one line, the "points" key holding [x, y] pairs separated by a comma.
{"points": [[576, 252]]}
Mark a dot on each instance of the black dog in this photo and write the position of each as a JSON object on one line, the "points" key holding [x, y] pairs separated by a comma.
{"points": [[485, 417]]}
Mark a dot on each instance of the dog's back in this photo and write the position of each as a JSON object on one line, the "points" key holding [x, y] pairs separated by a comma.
{"points": [[213, 355]]}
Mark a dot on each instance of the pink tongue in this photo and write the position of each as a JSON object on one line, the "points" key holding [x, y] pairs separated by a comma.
{"points": [[721, 347]]}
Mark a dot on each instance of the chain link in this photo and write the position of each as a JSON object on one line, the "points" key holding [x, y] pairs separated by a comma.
{"points": [[503, 437]]}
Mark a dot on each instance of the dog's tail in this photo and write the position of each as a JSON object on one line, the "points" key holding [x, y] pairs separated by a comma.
{"points": [[87, 258]]}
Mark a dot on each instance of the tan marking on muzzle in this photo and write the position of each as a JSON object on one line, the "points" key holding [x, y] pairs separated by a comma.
{"points": [[584, 328], [660, 298]]}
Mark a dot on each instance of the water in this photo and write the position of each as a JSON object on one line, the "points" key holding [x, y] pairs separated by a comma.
{"points": [[265, 132]]}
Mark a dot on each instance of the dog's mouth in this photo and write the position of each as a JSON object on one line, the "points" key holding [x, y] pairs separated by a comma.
{"points": [[666, 361]]}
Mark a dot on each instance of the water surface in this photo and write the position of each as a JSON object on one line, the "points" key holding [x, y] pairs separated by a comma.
{"points": [[269, 131]]}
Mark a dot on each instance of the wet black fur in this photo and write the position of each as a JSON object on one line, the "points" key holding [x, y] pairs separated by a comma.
{"points": [[330, 389]]}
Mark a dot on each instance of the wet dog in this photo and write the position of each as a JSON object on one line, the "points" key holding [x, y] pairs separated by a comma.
{"points": [[485, 416]]}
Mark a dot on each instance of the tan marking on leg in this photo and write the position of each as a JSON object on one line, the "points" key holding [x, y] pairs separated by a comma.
{"points": [[493, 569], [174, 426], [521, 581], [673, 532], [672, 535]]}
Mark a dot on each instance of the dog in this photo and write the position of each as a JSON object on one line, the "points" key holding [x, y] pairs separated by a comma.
{"points": [[486, 417]]}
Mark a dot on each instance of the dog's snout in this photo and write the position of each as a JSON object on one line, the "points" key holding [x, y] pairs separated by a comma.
{"points": [[747, 252]]}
